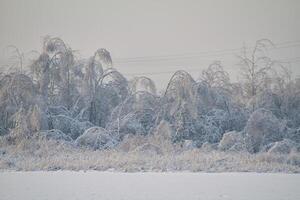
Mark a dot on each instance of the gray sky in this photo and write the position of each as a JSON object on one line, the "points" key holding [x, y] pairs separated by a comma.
{"points": [[154, 30]]}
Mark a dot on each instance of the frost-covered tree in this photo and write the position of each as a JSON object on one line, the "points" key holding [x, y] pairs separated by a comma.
{"points": [[61, 64], [215, 76], [255, 67], [90, 103], [104, 87], [142, 83], [16, 91], [40, 69], [281, 96], [263, 128], [135, 115], [178, 104]]}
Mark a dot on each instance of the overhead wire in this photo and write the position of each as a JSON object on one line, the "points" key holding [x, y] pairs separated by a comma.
{"points": [[291, 60], [171, 57]]}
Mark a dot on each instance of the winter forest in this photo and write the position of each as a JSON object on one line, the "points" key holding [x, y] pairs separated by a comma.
{"points": [[62, 112]]}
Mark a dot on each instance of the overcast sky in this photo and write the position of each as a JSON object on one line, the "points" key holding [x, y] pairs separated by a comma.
{"points": [[155, 31]]}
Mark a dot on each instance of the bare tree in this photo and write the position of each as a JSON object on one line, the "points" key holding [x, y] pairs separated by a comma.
{"points": [[215, 76], [40, 69], [58, 67], [94, 71], [255, 67], [95, 76], [17, 58], [142, 83]]}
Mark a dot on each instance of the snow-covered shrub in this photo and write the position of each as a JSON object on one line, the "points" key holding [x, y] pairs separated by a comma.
{"points": [[210, 127], [26, 122], [232, 141], [149, 149], [189, 145], [96, 138], [207, 131], [21, 128], [294, 135], [221, 101], [163, 130], [178, 105], [3, 131], [58, 110], [40, 69], [105, 100], [142, 84], [54, 135], [183, 124], [82, 126], [69, 126], [284, 146], [130, 125], [263, 128], [103, 89], [280, 94], [55, 74], [269, 101], [37, 119], [162, 137], [291, 106], [238, 117], [208, 98], [131, 142], [63, 123], [207, 147], [217, 113], [218, 118], [135, 115], [16, 91]]}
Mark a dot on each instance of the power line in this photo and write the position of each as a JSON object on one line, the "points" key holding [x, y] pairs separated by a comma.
{"points": [[208, 52], [185, 57], [197, 55], [291, 60]]}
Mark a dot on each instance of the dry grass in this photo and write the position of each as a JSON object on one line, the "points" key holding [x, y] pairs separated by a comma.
{"points": [[37, 154]]}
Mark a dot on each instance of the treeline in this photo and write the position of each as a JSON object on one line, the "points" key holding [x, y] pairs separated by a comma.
{"points": [[90, 103]]}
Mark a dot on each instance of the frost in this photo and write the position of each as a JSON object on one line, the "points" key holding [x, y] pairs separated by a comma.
{"points": [[164, 131], [55, 135], [148, 149], [65, 112], [69, 126], [96, 138], [189, 145], [283, 147], [142, 84], [208, 147], [135, 115], [131, 142], [233, 141], [37, 119], [263, 128], [58, 110]]}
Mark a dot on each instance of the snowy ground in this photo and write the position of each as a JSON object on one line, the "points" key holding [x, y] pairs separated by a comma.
{"points": [[139, 186]]}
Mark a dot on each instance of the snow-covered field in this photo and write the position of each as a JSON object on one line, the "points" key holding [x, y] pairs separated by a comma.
{"points": [[139, 186]]}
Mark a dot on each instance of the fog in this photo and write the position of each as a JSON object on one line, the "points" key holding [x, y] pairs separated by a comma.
{"points": [[190, 31]]}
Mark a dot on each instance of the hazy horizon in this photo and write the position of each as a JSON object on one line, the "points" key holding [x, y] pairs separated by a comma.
{"points": [[155, 38]]}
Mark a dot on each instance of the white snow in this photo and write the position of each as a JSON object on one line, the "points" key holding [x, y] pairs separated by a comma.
{"points": [[141, 186]]}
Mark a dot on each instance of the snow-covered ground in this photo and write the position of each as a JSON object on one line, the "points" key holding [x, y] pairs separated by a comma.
{"points": [[90, 185]]}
